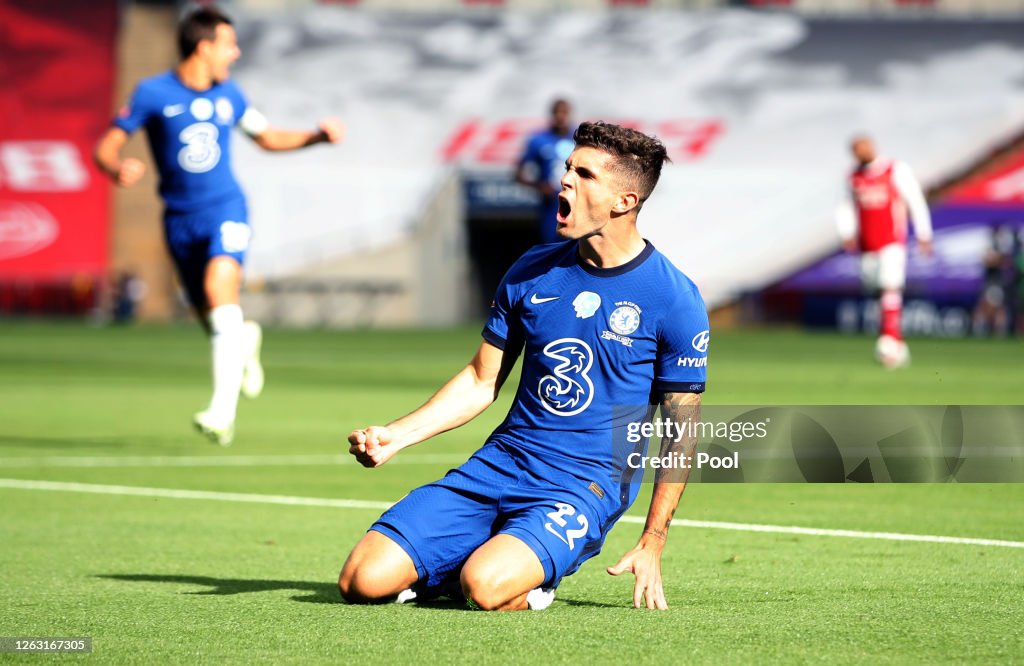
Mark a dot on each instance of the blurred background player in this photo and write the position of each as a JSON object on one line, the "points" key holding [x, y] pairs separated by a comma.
{"points": [[1016, 285], [542, 163], [873, 221], [993, 311], [188, 114], [602, 319], [127, 289]]}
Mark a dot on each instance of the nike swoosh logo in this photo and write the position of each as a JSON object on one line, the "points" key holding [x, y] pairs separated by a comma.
{"points": [[538, 301], [174, 110]]}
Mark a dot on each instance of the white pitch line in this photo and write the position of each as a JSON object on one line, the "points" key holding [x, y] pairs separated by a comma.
{"points": [[174, 493], [289, 500], [815, 531], [221, 461]]}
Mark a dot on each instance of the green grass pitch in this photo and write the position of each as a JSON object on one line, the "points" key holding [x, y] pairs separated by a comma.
{"points": [[169, 580]]}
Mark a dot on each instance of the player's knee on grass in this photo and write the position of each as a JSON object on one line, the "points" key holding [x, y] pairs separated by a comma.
{"points": [[376, 571], [490, 590], [483, 591], [498, 575], [357, 588], [367, 583]]}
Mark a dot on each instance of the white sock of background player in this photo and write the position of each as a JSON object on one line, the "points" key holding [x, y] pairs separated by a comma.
{"points": [[226, 341]]}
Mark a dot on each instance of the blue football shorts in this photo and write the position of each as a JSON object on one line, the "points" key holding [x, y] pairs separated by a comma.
{"points": [[194, 238], [562, 518]]}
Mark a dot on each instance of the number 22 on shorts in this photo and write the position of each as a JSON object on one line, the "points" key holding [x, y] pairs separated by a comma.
{"points": [[558, 518]]}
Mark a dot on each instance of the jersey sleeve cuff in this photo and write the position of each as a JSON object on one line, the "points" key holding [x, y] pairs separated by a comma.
{"points": [[679, 387], [493, 338]]}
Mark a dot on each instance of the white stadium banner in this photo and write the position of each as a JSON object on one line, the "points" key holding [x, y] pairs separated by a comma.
{"points": [[757, 109]]}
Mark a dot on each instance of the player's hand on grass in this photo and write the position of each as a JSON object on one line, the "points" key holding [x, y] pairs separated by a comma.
{"points": [[372, 446], [925, 246], [332, 129], [131, 172], [644, 561], [850, 245]]}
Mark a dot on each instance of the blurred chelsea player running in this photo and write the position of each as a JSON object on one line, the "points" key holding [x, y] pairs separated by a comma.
{"points": [[188, 114], [603, 320]]}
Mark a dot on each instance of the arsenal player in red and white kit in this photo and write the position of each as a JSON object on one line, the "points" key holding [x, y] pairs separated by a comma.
{"points": [[873, 221]]}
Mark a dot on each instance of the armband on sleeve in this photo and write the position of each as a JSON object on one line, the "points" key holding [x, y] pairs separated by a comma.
{"points": [[253, 122]]}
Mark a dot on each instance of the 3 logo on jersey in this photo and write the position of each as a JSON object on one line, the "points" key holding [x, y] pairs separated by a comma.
{"points": [[568, 390], [201, 151]]}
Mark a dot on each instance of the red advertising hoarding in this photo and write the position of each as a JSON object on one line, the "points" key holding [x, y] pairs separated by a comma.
{"points": [[1001, 185], [57, 83]]}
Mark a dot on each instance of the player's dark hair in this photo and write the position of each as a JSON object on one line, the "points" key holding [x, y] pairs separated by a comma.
{"points": [[636, 157], [199, 25]]}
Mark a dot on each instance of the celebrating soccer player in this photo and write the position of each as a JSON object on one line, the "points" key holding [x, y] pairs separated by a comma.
{"points": [[873, 221], [603, 321], [188, 114]]}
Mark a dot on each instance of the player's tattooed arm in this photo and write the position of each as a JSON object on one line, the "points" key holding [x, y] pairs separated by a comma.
{"points": [[678, 443], [681, 410], [644, 560]]}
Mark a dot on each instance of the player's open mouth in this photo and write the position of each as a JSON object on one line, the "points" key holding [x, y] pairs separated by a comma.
{"points": [[564, 208]]}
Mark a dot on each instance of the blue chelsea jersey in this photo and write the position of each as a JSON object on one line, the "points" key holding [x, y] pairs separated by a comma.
{"points": [[189, 135], [547, 152], [594, 341]]}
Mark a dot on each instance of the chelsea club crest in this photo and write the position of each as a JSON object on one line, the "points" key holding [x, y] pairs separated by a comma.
{"points": [[624, 319]]}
